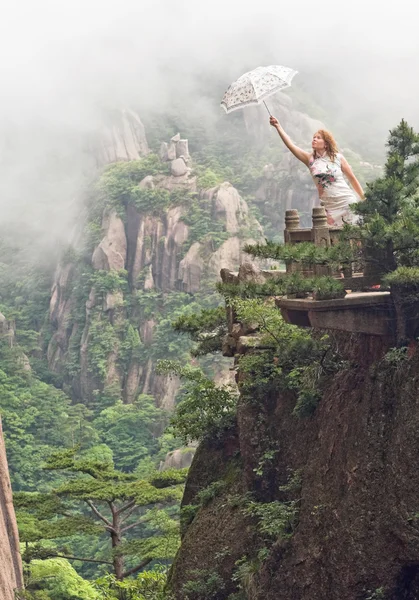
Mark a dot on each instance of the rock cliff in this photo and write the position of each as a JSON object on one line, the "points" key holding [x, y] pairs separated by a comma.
{"points": [[159, 254], [355, 533], [11, 575]]}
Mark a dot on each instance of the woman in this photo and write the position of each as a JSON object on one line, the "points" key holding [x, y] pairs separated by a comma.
{"points": [[327, 167]]}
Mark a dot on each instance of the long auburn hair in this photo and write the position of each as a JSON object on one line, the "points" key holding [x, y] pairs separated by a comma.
{"points": [[330, 144]]}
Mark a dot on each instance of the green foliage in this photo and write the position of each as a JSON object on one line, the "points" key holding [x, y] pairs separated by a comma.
{"points": [[308, 254], [208, 494], [107, 282], [203, 226], [206, 328], [99, 500], [203, 585], [119, 184], [265, 461], [187, 514], [403, 277], [208, 179], [149, 585], [274, 519], [286, 357], [377, 594], [102, 341], [328, 288], [296, 284], [58, 581], [396, 357], [204, 410], [244, 573], [153, 201], [36, 417], [390, 216], [127, 429], [251, 290]]}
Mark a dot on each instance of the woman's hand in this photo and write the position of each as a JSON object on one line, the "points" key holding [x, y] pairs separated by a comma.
{"points": [[273, 121]]}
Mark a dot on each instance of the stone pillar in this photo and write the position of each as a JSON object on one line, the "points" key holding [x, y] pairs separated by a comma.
{"points": [[321, 235], [292, 221]]}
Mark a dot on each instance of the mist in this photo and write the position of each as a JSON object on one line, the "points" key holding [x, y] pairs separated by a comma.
{"points": [[64, 64]]}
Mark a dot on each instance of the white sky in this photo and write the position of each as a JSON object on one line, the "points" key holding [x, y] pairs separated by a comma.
{"points": [[61, 60]]}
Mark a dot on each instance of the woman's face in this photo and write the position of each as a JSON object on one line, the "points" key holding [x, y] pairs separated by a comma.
{"points": [[318, 143]]}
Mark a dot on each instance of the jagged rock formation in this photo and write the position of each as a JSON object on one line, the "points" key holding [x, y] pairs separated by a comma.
{"points": [[156, 250], [11, 575]]}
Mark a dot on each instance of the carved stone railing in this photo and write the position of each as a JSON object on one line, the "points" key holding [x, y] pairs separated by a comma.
{"points": [[321, 234]]}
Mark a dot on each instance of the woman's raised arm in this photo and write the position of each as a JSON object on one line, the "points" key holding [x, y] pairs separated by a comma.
{"points": [[298, 152], [351, 177]]}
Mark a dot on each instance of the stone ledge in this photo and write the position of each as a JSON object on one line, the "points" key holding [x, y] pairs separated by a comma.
{"points": [[349, 301], [372, 313]]}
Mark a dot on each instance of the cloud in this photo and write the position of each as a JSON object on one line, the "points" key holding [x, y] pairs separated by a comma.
{"points": [[63, 62]]}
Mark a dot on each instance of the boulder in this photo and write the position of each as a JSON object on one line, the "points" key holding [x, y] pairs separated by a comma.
{"points": [[178, 167], [147, 183], [178, 459]]}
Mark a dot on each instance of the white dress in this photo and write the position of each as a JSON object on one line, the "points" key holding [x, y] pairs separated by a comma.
{"points": [[335, 194]]}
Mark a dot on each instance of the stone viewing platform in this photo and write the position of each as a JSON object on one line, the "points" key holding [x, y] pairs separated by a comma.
{"points": [[363, 308], [369, 312]]}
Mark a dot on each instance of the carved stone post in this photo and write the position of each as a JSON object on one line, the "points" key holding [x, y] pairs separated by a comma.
{"points": [[321, 235], [292, 222]]}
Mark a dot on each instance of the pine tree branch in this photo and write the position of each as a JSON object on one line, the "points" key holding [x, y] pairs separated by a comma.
{"points": [[128, 527], [98, 514], [125, 507], [89, 560], [129, 513], [142, 564]]}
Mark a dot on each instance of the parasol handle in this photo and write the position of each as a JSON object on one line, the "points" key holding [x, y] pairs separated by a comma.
{"points": [[267, 108]]}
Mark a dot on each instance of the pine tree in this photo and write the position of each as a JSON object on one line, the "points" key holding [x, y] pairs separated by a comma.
{"points": [[97, 499]]}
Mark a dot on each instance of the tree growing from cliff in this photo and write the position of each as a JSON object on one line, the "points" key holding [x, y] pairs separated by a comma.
{"points": [[205, 409], [98, 500]]}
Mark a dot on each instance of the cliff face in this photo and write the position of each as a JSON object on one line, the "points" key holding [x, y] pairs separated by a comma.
{"points": [[355, 534], [11, 575]]}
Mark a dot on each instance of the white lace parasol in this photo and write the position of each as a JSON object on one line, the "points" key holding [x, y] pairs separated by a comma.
{"points": [[253, 87]]}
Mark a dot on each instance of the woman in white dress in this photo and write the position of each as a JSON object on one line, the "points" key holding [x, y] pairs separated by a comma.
{"points": [[327, 167]]}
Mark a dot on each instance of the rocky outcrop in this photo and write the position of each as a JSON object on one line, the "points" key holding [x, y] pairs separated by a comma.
{"points": [[229, 206], [11, 575], [179, 459], [112, 250], [122, 138], [150, 247], [177, 154]]}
